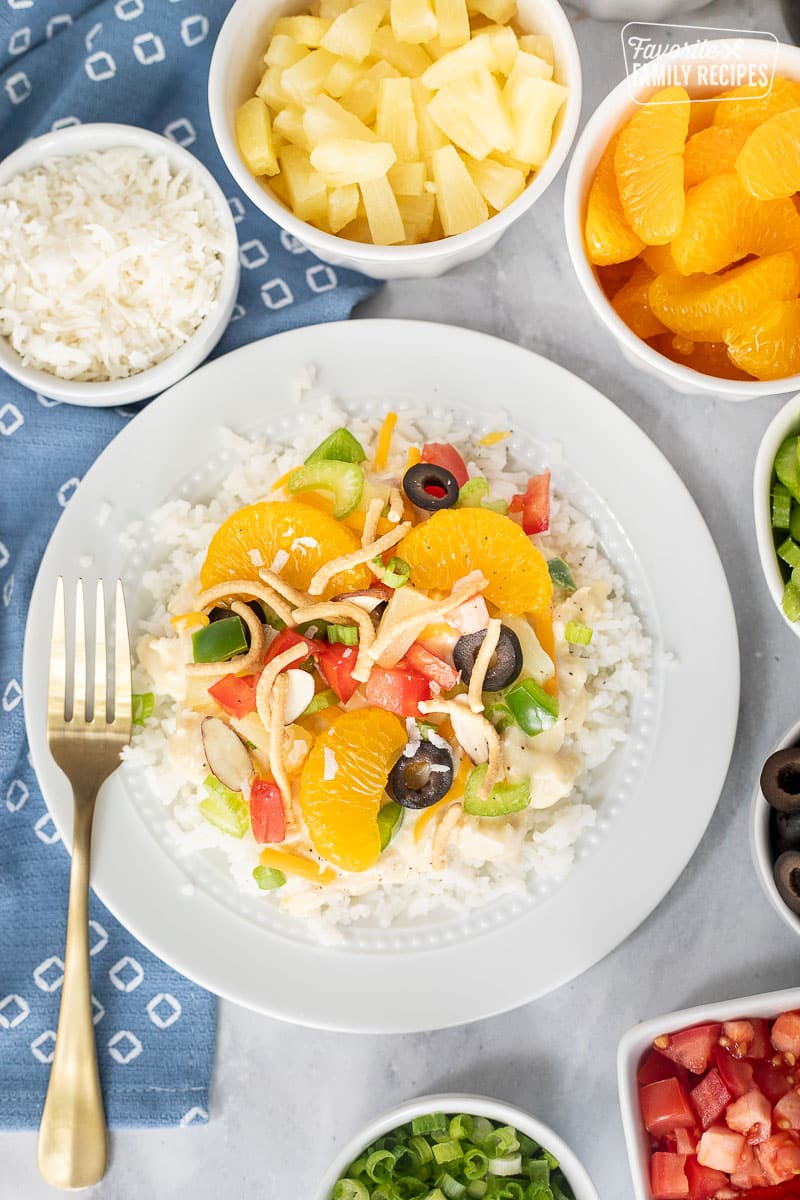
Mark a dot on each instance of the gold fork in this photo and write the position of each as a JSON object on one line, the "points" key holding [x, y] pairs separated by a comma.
{"points": [[73, 1141]]}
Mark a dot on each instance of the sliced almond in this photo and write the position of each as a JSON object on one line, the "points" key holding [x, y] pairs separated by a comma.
{"points": [[226, 754], [299, 695]]}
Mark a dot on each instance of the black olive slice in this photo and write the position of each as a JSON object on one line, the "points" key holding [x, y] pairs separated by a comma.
{"points": [[420, 779], [785, 831], [505, 664], [780, 780], [430, 487], [787, 879]]}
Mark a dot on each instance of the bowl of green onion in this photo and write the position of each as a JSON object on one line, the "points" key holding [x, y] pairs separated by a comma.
{"points": [[456, 1147], [776, 503]]}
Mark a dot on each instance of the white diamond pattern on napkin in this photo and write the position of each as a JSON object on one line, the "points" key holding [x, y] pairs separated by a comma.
{"points": [[124, 1047], [126, 975], [13, 1011], [49, 975]]}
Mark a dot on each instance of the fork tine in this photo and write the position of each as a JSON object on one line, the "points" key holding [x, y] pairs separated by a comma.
{"points": [[99, 715], [122, 662], [79, 672], [57, 681]]}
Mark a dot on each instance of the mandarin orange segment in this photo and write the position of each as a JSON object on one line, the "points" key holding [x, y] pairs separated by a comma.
{"points": [[252, 537], [659, 259], [632, 303], [712, 151], [709, 358], [769, 161], [702, 307], [342, 783], [769, 346], [648, 163], [609, 237], [724, 223], [614, 276], [750, 105], [455, 541]]}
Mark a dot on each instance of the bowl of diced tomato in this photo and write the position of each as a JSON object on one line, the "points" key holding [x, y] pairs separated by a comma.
{"points": [[710, 1101]]}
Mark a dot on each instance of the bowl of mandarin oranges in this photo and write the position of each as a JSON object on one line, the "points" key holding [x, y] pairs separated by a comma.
{"points": [[682, 212]]}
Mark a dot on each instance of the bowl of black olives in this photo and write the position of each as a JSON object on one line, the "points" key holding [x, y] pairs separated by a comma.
{"points": [[775, 828]]}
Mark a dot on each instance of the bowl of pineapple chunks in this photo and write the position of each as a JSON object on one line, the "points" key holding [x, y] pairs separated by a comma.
{"points": [[399, 138]]}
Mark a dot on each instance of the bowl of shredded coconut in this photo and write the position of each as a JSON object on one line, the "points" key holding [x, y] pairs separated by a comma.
{"points": [[118, 264]]}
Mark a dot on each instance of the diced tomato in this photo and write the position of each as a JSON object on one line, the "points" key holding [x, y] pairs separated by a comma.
{"points": [[751, 1115], [783, 1191], [749, 1173], [442, 454], [720, 1148], [704, 1182], [432, 667], [534, 504], [740, 1035], [761, 1044], [398, 690], [667, 1176], [267, 818], [686, 1141], [665, 1106], [736, 1074], [710, 1098], [779, 1156], [786, 1034], [692, 1048], [655, 1066], [773, 1081], [336, 663], [236, 694], [288, 638], [787, 1111]]}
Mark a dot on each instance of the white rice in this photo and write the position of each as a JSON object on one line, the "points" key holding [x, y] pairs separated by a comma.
{"points": [[490, 858]]}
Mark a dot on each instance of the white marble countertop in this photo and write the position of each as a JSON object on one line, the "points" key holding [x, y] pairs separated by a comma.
{"points": [[714, 935]]}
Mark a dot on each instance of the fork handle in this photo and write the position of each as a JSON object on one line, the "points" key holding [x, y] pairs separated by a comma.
{"points": [[73, 1140]]}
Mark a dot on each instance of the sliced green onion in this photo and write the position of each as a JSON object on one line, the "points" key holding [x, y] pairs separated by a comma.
{"points": [[533, 709], [499, 714], [380, 1166], [313, 629], [390, 818], [422, 1149], [506, 1164], [319, 702], [527, 1145], [551, 1160], [481, 1128], [436, 1194], [476, 1163], [577, 634], [461, 1127], [339, 445], [503, 799], [790, 602], [452, 1188], [477, 1189], [781, 507], [347, 635], [143, 705], [349, 1189], [539, 1171], [268, 878], [394, 574], [358, 1168], [449, 1151], [794, 523], [561, 575], [219, 641], [789, 551], [224, 809], [502, 1140], [430, 1123], [512, 1189]]}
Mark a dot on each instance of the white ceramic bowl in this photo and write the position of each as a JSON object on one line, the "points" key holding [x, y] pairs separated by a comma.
{"points": [[785, 422], [760, 847], [80, 139], [617, 107], [235, 71], [637, 1040], [476, 1106]]}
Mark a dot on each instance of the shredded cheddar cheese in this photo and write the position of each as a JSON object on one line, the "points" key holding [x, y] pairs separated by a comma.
{"points": [[384, 442], [491, 439], [189, 620], [296, 864]]}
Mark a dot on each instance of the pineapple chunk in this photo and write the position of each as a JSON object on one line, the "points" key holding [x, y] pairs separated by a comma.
{"points": [[494, 48], [325, 119], [396, 121], [254, 137], [277, 185], [351, 33], [357, 231], [306, 79], [429, 134], [540, 45], [499, 11], [383, 215], [270, 89], [470, 110], [362, 98], [333, 8], [342, 206], [308, 195], [453, 21], [407, 178], [534, 104], [306, 31], [342, 76], [413, 20], [498, 184], [407, 59], [340, 161], [417, 213], [284, 51], [530, 64], [289, 124], [460, 204]]}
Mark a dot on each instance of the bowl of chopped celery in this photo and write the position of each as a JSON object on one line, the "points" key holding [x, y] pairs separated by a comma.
{"points": [[776, 503], [456, 1147]]}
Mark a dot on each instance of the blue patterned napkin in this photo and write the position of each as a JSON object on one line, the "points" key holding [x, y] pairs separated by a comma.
{"points": [[144, 62]]}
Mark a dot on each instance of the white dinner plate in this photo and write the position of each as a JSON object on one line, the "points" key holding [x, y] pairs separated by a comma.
{"points": [[659, 790]]}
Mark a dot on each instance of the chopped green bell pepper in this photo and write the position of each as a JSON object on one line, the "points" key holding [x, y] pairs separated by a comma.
{"points": [[504, 798], [531, 707], [220, 640]]}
